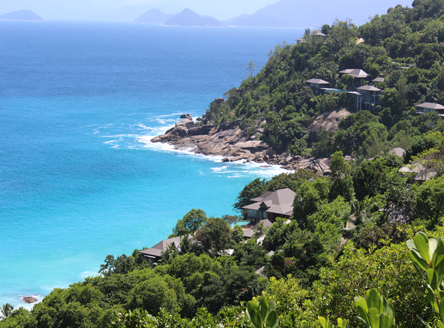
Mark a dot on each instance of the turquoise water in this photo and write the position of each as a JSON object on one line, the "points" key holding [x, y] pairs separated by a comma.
{"points": [[78, 177]]}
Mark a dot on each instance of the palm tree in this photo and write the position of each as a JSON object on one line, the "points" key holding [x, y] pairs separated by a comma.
{"points": [[6, 310]]}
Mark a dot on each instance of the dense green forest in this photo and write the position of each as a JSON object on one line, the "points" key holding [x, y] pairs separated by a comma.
{"points": [[350, 232], [277, 94]]}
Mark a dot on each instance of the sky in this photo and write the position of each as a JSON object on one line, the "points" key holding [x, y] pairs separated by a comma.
{"points": [[128, 10], [102, 9]]}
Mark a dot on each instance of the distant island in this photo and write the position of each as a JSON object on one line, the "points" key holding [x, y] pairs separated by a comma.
{"points": [[187, 17], [26, 15], [284, 13], [153, 16]]}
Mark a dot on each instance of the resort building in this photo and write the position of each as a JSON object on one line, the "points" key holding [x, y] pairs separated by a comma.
{"points": [[430, 107], [366, 97], [358, 76], [316, 85], [271, 205], [155, 253], [378, 79], [316, 33]]}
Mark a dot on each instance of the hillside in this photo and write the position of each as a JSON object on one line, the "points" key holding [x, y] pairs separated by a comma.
{"points": [[153, 16], [21, 15], [404, 48], [187, 17]]}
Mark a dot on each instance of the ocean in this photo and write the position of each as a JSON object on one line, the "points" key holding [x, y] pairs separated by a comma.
{"points": [[79, 102]]}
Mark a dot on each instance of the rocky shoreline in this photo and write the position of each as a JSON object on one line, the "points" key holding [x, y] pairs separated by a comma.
{"points": [[234, 144]]}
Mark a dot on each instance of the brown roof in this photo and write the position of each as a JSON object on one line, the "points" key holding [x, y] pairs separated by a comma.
{"points": [[318, 33], [430, 105], [369, 88], [317, 81], [249, 233], [356, 73], [278, 202], [379, 79], [159, 248], [261, 197]]}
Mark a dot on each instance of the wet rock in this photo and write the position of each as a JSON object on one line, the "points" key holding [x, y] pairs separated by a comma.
{"points": [[29, 299], [188, 116]]}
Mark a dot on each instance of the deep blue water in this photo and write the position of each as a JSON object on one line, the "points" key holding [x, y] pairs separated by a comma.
{"points": [[78, 177]]}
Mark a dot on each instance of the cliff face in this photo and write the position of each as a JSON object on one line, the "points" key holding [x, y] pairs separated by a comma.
{"points": [[234, 144]]}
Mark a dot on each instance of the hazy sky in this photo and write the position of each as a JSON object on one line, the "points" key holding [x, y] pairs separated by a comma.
{"points": [[89, 9]]}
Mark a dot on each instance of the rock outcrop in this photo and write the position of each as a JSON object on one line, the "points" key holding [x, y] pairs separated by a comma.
{"points": [[29, 299], [234, 144], [328, 120]]}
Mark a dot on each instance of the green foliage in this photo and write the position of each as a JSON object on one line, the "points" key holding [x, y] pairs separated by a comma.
{"points": [[359, 270], [262, 314], [190, 269], [230, 286], [123, 263], [6, 310], [133, 319], [191, 222], [375, 311], [152, 294], [427, 254], [328, 223], [377, 176], [430, 201], [326, 323], [214, 236], [287, 293], [309, 197], [254, 189]]}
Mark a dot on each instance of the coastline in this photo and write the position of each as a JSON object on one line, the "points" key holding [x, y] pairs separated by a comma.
{"points": [[229, 143]]}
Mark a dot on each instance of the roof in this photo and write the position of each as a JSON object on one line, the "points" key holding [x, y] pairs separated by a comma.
{"points": [[430, 105], [357, 73], [260, 271], [317, 81], [250, 232], [318, 33], [379, 79], [369, 88], [159, 248], [278, 202], [261, 197], [397, 151]]}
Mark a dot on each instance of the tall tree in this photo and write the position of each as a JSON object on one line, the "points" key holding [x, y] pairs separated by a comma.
{"points": [[190, 223]]}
